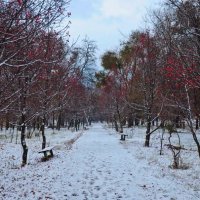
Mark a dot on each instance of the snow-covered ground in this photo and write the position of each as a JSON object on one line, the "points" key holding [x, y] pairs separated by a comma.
{"points": [[99, 166]]}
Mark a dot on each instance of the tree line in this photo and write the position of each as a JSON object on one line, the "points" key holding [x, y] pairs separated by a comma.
{"points": [[44, 80], [154, 76]]}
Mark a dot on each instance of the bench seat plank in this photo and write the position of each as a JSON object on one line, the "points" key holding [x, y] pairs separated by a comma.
{"points": [[46, 149]]}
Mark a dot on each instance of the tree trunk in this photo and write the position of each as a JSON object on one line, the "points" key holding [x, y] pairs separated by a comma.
{"points": [[59, 121], [196, 141], [23, 141], [130, 121], [121, 128], [7, 122], [43, 135], [116, 125], [161, 141], [90, 121], [53, 124], [38, 123], [197, 123], [23, 120], [136, 121], [120, 120], [190, 121], [147, 139]]}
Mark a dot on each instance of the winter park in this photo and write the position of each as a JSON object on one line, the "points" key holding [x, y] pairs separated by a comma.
{"points": [[99, 100]]}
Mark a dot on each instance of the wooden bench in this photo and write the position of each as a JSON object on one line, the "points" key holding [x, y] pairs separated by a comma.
{"points": [[48, 151], [123, 137]]}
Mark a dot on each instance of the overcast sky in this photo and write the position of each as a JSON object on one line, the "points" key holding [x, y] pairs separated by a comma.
{"points": [[108, 21]]}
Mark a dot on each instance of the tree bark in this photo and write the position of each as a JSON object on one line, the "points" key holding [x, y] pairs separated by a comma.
{"points": [[43, 135], [53, 124], [23, 120], [197, 123], [196, 140], [148, 135], [23, 141], [116, 125], [130, 121], [59, 121]]}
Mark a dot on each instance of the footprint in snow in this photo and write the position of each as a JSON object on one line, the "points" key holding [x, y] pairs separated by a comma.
{"points": [[96, 196], [92, 182], [97, 188], [74, 195]]}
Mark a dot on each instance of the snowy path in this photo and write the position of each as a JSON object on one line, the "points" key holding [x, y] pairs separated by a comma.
{"points": [[99, 166], [104, 170]]}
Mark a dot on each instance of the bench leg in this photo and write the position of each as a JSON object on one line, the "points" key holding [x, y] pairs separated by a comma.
{"points": [[51, 152], [122, 137], [45, 154]]}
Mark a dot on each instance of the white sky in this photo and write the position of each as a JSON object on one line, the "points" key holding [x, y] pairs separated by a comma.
{"points": [[108, 21]]}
